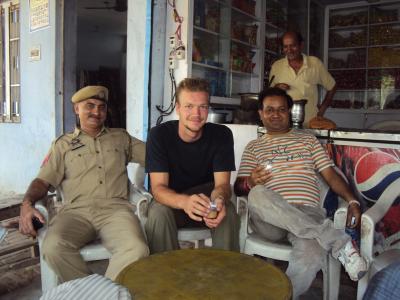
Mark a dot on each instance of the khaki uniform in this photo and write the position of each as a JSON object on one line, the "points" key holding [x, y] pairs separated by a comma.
{"points": [[92, 177]]}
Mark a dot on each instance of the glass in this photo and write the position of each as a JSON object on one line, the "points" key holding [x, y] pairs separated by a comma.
{"points": [[267, 166], [213, 210]]}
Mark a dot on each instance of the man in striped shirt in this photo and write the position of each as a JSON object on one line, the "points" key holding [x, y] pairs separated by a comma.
{"points": [[278, 172]]}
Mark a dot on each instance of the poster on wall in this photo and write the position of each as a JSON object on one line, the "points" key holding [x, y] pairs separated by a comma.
{"points": [[38, 14], [370, 171]]}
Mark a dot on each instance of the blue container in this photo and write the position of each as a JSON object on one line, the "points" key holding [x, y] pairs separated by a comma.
{"points": [[355, 235]]}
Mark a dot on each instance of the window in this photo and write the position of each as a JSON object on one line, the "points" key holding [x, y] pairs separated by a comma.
{"points": [[10, 62]]}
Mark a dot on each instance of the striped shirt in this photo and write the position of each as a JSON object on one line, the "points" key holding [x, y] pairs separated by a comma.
{"points": [[294, 157]]}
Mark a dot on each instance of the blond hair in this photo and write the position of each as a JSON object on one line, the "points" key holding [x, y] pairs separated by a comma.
{"points": [[192, 85]]}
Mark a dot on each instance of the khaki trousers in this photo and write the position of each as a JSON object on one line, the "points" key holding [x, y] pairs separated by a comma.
{"points": [[163, 223], [79, 223]]}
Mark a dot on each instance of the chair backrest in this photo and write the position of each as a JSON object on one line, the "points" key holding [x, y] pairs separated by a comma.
{"points": [[242, 135]]}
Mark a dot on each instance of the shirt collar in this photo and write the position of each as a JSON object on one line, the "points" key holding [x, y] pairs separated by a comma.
{"points": [[305, 61], [78, 131]]}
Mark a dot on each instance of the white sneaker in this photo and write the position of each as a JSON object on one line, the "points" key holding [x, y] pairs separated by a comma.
{"points": [[355, 265]]}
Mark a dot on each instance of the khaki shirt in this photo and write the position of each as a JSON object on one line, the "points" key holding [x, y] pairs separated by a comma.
{"points": [[304, 84], [87, 168]]}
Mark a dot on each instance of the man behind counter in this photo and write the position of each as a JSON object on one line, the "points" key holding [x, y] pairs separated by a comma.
{"points": [[299, 75], [89, 166]]}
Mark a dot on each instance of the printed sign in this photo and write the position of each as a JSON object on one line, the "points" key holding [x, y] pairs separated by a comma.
{"points": [[39, 14]]}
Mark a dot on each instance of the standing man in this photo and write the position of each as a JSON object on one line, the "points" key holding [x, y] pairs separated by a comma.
{"points": [[89, 167], [299, 75], [190, 163], [278, 172]]}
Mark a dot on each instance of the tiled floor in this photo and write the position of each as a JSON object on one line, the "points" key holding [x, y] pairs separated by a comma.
{"points": [[348, 289]]}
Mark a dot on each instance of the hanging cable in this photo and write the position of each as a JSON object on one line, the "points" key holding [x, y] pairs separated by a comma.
{"points": [[178, 46], [171, 107]]}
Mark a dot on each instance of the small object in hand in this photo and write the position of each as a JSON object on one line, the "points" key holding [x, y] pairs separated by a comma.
{"points": [[36, 224], [268, 166], [213, 211]]}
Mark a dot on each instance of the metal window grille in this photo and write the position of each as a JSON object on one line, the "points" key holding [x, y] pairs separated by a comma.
{"points": [[10, 62]]}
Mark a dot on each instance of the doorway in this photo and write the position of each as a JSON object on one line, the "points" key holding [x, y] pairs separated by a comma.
{"points": [[101, 52]]}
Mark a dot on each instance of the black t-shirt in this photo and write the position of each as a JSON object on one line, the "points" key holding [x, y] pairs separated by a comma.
{"points": [[189, 164]]}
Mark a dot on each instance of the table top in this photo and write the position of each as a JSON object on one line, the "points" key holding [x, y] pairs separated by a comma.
{"points": [[204, 274]]}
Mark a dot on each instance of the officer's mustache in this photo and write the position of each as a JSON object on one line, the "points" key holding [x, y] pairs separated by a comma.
{"points": [[94, 116]]}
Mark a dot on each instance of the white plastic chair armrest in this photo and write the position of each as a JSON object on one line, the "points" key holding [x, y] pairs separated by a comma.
{"points": [[379, 209], [367, 237], [142, 209], [372, 216], [340, 217], [243, 212], [139, 175], [241, 205], [144, 192], [41, 206], [136, 194]]}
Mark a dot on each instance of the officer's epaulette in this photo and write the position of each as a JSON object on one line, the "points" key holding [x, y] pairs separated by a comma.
{"points": [[58, 138], [68, 135]]}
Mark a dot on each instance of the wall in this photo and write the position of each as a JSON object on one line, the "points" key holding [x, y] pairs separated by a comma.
{"points": [[138, 66], [157, 59], [70, 43], [24, 145]]}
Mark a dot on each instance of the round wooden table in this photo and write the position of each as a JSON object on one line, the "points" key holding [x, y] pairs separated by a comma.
{"points": [[204, 274]]}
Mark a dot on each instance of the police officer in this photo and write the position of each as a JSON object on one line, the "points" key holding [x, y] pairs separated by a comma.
{"points": [[89, 167]]}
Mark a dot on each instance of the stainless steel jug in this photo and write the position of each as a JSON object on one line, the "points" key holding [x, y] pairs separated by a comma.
{"points": [[298, 113]]}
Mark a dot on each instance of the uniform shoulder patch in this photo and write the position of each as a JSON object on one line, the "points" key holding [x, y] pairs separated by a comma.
{"points": [[45, 160]]}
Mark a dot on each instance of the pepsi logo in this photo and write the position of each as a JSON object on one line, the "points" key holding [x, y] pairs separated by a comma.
{"points": [[377, 173]]}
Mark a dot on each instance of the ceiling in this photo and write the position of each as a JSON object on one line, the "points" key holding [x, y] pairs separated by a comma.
{"points": [[101, 20]]}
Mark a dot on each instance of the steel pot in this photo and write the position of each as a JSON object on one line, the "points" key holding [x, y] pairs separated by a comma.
{"points": [[249, 101], [216, 117]]}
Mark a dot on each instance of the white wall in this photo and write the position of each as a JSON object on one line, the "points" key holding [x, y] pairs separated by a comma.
{"points": [[138, 65], [24, 145]]}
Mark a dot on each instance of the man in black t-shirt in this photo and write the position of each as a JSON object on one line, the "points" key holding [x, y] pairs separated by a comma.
{"points": [[190, 163]]}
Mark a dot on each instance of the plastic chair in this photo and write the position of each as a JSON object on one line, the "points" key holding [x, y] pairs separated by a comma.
{"points": [[92, 251], [369, 219], [253, 244]]}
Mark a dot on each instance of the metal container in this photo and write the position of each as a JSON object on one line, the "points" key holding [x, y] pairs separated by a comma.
{"points": [[298, 113], [216, 117], [248, 101]]}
